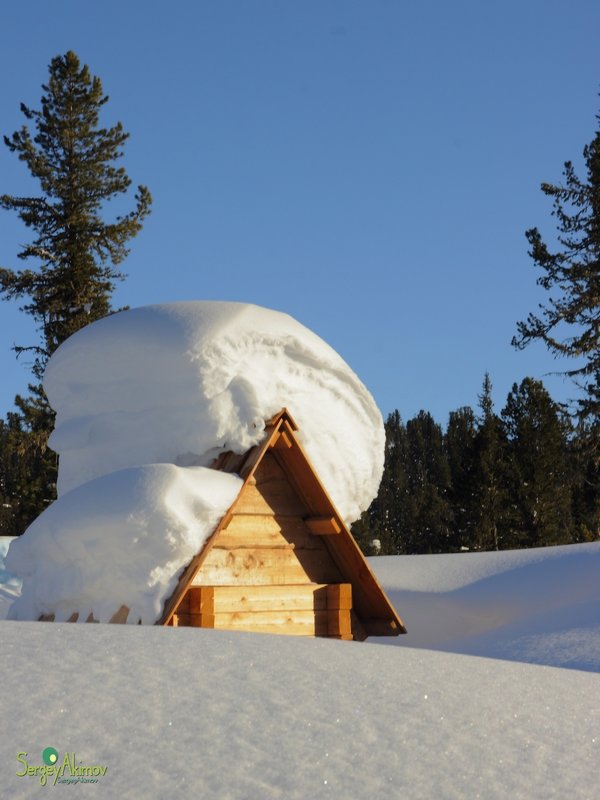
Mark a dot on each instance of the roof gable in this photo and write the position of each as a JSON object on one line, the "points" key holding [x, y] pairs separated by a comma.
{"points": [[290, 488]]}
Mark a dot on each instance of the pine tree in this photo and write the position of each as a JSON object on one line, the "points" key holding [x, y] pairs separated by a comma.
{"points": [[541, 475], [569, 323], [73, 250]]}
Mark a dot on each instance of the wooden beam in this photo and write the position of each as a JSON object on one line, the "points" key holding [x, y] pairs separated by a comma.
{"points": [[339, 595], [285, 440], [201, 600], [195, 620], [322, 526], [381, 627], [338, 622]]}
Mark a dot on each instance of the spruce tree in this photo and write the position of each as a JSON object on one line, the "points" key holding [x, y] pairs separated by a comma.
{"points": [[540, 474], [429, 529], [586, 492], [392, 513], [569, 323], [460, 443], [73, 251], [489, 501]]}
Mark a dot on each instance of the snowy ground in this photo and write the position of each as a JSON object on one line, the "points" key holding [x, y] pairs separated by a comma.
{"points": [[208, 714]]}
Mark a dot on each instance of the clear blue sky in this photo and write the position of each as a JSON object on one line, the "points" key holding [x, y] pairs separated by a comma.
{"points": [[368, 167]]}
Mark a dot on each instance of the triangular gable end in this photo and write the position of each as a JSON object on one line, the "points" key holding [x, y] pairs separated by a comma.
{"points": [[282, 558]]}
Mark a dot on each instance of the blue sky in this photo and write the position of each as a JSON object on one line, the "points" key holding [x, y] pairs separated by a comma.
{"points": [[368, 167]]}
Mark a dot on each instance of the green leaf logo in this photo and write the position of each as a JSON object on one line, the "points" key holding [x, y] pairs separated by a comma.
{"points": [[50, 756]]}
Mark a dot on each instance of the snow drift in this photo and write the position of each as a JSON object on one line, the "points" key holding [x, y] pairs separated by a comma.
{"points": [[541, 606], [145, 400]]}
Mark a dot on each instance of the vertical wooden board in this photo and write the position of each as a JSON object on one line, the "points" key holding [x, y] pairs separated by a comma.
{"points": [[184, 604], [339, 595], [195, 620], [201, 599], [358, 632], [338, 622]]}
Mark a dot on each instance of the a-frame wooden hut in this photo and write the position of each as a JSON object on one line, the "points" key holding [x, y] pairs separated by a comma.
{"points": [[281, 560]]}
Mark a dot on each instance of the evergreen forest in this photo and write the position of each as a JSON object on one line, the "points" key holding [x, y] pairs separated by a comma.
{"points": [[522, 477]]}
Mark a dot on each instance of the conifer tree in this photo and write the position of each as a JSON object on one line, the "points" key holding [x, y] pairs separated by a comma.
{"points": [[489, 485], [586, 491], [25, 481], [460, 442], [429, 530], [73, 251], [392, 512], [540, 474], [569, 323]]}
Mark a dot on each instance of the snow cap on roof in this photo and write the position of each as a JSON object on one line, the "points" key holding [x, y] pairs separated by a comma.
{"points": [[181, 382]]}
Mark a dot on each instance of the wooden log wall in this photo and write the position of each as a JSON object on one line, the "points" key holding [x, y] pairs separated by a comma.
{"points": [[297, 610]]}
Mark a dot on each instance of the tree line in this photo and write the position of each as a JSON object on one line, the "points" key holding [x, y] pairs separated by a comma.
{"points": [[520, 478], [527, 476]]}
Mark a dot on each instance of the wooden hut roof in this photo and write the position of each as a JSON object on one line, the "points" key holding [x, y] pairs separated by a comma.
{"points": [[371, 606]]}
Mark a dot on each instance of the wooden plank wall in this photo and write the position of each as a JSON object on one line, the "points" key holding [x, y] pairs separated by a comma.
{"points": [[268, 569], [267, 540]]}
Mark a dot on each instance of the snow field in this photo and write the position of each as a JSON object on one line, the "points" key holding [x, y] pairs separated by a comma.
{"points": [[181, 712]]}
